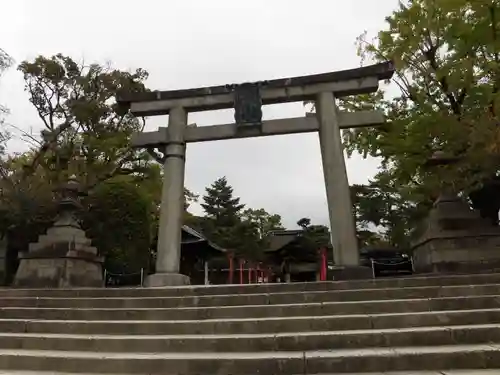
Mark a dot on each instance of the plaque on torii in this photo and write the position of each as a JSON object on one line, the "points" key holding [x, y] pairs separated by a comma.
{"points": [[247, 100]]}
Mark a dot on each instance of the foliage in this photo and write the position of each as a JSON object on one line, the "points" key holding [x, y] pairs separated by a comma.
{"points": [[314, 237], [447, 60], [385, 217], [5, 60], [120, 220], [220, 205], [189, 198], [262, 220], [5, 63], [86, 133], [228, 226], [222, 223]]}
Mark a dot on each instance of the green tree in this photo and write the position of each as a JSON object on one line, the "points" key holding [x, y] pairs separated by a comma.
{"points": [[189, 198], [5, 63], [86, 134], [120, 220], [223, 222], [219, 204], [304, 223], [447, 60], [314, 237], [384, 216], [262, 220]]}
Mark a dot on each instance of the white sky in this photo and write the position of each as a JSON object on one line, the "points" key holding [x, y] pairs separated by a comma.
{"points": [[191, 43]]}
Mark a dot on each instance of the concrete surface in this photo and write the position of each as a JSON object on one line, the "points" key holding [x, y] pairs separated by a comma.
{"points": [[417, 326]]}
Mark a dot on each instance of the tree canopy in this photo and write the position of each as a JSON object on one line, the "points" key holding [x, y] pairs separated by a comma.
{"points": [[230, 226], [5, 62], [87, 135], [444, 97]]}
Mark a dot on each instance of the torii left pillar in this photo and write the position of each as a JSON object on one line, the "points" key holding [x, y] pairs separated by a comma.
{"points": [[171, 210]]}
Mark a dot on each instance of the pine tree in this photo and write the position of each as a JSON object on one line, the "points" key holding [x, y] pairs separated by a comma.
{"points": [[219, 204], [225, 224]]}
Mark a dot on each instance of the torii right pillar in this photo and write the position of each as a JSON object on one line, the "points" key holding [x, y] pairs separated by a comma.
{"points": [[342, 222]]}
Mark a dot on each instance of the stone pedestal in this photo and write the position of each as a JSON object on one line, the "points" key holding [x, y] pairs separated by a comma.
{"points": [[63, 257], [166, 279], [350, 273], [456, 240]]}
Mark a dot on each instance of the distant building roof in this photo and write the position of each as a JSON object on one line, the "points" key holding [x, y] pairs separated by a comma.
{"points": [[189, 236], [280, 238]]}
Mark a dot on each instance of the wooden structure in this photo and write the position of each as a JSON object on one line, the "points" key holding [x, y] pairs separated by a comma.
{"points": [[207, 263], [291, 260], [202, 260]]}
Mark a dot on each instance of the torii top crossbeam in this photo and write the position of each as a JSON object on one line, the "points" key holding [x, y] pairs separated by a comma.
{"points": [[341, 83]]}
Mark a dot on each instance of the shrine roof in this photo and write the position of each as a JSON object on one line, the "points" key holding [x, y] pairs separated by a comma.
{"points": [[191, 236], [280, 239]]}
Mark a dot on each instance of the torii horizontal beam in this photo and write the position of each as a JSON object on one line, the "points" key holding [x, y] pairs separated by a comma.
{"points": [[341, 83], [271, 127]]}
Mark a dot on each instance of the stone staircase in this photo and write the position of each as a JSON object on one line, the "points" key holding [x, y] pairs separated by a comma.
{"points": [[428, 325]]}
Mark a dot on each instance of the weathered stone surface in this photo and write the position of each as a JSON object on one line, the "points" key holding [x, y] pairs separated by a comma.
{"points": [[456, 240], [200, 290], [351, 273], [159, 280], [62, 257], [417, 326], [255, 311], [58, 273], [307, 341]]}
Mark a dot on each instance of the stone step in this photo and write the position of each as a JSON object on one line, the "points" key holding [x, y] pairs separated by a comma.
{"points": [[447, 372], [309, 362], [293, 341], [254, 325], [255, 299], [255, 311], [402, 282]]}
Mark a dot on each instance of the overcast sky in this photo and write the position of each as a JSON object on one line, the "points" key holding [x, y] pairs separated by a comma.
{"points": [[191, 43]]}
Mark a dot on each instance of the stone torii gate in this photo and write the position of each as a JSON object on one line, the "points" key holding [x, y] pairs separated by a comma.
{"points": [[247, 100]]}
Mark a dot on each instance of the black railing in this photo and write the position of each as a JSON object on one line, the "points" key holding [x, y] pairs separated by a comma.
{"points": [[392, 265], [116, 280]]}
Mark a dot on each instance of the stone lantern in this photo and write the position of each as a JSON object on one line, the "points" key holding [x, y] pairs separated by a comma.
{"points": [[455, 237], [63, 257]]}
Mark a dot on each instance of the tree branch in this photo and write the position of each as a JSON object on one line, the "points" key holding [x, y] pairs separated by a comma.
{"points": [[431, 55], [496, 57]]}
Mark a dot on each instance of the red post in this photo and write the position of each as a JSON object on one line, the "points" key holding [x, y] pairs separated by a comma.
{"points": [[249, 274], [323, 265], [241, 271]]}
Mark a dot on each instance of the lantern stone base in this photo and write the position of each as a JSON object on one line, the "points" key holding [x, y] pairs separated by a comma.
{"points": [[159, 280], [350, 273], [457, 240], [63, 257], [64, 272], [458, 254]]}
